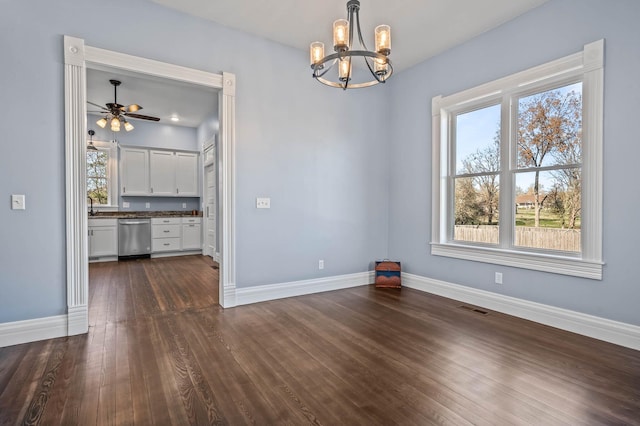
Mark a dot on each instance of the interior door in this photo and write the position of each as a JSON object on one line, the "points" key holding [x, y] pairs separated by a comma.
{"points": [[210, 210]]}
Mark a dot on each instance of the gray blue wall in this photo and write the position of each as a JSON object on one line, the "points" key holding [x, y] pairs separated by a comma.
{"points": [[320, 154], [556, 29], [349, 174]]}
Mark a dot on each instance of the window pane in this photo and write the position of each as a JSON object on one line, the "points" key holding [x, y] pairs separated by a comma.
{"points": [[478, 141], [550, 127], [548, 209], [97, 189], [97, 163], [476, 209]]}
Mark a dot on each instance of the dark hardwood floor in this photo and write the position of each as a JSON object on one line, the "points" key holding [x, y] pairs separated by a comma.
{"points": [[161, 351]]}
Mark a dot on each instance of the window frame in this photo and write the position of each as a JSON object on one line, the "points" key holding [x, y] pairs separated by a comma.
{"points": [[112, 174], [586, 66]]}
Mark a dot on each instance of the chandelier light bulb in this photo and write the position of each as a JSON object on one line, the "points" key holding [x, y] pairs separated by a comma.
{"points": [[128, 126], [345, 69], [102, 122], [380, 66], [383, 39], [316, 51], [341, 35]]}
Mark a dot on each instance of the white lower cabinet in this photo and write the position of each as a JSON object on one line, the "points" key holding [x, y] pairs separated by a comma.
{"points": [[174, 236], [166, 234], [103, 238], [191, 234]]}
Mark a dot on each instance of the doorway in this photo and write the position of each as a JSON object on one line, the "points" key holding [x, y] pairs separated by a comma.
{"points": [[77, 57]]}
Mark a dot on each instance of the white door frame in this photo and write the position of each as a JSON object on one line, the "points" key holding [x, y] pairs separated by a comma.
{"points": [[76, 57]]}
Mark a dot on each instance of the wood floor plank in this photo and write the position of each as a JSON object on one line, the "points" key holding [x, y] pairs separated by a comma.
{"points": [[160, 351]]}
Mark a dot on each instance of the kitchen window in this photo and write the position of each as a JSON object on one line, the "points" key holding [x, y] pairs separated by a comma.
{"points": [[517, 169], [102, 174]]}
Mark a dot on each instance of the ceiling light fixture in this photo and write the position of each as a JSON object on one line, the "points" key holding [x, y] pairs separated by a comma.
{"points": [[116, 115], [351, 73], [175, 118], [90, 145]]}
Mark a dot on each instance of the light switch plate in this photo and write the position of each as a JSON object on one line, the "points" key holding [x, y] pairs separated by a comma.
{"points": [[17, 202], [263, 203]]}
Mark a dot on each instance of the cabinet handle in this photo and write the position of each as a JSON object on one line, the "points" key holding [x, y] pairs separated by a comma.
{"points": [[124, 189], [177, 190], [167, 244], [191, 226], [152, 190], [165, 221], [166, 231]]}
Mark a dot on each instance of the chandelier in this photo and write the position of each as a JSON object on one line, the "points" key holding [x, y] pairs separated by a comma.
{"points": [[350, 64]]}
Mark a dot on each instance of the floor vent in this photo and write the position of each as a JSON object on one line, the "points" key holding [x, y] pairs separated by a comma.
{"points": [[472, 309]]}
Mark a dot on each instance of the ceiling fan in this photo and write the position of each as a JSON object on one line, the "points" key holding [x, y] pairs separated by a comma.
{"points": [[117, 114]]}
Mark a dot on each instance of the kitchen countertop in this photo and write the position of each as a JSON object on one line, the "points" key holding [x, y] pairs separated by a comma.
{"points": [[143, 214]]}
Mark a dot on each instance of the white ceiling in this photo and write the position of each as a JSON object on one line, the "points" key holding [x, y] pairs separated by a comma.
{"points": [[160, 98], [420, 29]]}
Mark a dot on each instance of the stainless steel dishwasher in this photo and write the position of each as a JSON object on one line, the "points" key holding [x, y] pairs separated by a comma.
{"points": [[134, 237]]}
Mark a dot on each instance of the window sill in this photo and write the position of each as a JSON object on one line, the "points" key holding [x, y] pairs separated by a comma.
{"points": [[538, 262]]}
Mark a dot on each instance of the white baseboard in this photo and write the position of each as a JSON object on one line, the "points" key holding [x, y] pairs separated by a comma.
{"points": [[18, 332], [587, 325], [245, 296], [78, 320]]}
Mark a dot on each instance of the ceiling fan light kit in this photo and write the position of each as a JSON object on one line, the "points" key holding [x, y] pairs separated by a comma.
{"points": [[115, 114], [377, 62]]}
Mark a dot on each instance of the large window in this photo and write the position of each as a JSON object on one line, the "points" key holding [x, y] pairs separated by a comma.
{"points": [[517, 169], [102, 175]]}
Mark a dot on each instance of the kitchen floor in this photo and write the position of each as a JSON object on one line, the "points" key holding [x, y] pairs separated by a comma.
{"points": [[146, 287]]}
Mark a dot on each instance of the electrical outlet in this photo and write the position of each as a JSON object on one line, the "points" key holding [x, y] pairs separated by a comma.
{"points": [[147, 205], [320, 264], [498, 277], [184, 205], [263, 203], [126, 205]]}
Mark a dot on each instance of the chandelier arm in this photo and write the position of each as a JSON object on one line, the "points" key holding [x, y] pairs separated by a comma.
{"points": [[362, 44]]}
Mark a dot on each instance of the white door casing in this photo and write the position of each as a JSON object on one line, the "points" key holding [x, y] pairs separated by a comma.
{"points": [[77, 57], [210, 210]]}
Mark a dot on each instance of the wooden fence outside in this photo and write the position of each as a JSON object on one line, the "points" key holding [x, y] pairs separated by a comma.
{"points": [[526, 236]]}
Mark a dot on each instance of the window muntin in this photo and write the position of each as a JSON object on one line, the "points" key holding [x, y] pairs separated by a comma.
{"points": [[568, 169]]}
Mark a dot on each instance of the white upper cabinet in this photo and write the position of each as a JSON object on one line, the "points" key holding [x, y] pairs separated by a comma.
{"points": [[162, 172], [159, 173], [134, 170], [187, 174]]}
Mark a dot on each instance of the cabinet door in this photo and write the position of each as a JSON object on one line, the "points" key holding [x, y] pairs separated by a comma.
{"points": [[103, 241], [191, 236], [162, 172], [187, 174], [134, 171]]}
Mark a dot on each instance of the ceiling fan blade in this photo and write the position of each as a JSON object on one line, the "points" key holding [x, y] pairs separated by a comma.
{"points": [[141, 117], [133, 108], [96, 105]]}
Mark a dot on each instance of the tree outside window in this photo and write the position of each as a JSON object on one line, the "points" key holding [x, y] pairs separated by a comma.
{"points": [[98, 176]]}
